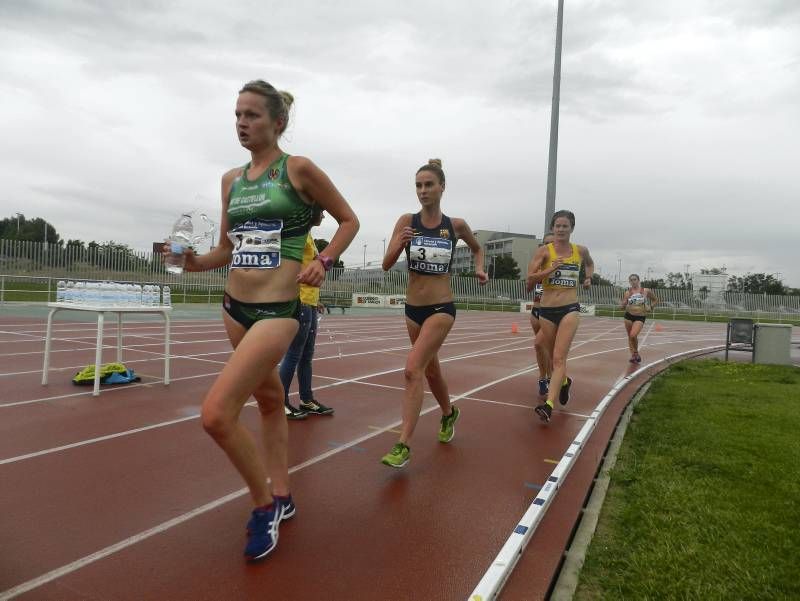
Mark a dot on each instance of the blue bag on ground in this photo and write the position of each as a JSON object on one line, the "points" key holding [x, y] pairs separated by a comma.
{"points": [[110, 373]]}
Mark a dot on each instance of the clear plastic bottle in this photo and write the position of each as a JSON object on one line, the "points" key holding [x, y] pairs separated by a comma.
{"points": [[152, 295], [61, 289], [179, 240], [80, 293], [167, 296]]}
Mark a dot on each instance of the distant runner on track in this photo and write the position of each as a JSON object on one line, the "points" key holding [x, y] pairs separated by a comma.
{"points": [[636, 303]]}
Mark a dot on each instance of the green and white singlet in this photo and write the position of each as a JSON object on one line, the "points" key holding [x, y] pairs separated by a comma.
{"points": [[268, 219]]}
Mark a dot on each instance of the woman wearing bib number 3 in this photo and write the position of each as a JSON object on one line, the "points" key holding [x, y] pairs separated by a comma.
{"points": [[428, 239], [266, 212], [557, 265]]}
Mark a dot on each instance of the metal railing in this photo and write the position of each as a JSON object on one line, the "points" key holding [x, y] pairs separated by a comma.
{"points": [[30, 271]]}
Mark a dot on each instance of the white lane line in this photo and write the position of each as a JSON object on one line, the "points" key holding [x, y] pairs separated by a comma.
{"points": [[341, 382], [644, 340], [95, 440], [462, 339], [88, 393], [466, 398], [164, 526], [159, 425], [159, 355], [498, 572]]}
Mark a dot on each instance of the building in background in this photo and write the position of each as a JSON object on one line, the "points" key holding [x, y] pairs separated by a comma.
{"points": [[521, 247]]}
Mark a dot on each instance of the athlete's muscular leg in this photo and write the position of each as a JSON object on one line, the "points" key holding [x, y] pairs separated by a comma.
{"points": [[541, 349], [274, 432], [254, 350], [628, 325], [562, 340], [437, 384], [426, 341], [633, 336]]}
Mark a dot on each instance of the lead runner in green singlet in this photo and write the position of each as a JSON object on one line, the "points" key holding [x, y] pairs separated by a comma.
{"points": [[266, 212]]}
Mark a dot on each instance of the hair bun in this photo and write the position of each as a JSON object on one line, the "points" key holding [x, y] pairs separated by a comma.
{"points": [[288, 99], [437, 162]]}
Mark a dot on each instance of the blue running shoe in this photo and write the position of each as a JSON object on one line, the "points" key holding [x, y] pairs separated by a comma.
{"points": [[263, 536], [288, 506], [544, 386]]}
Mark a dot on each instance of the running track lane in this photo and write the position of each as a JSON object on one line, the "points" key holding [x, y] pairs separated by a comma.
{"points": [[363, 531]]}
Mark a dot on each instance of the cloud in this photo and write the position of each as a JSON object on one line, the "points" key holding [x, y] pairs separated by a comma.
{"points": [[678, 125]]}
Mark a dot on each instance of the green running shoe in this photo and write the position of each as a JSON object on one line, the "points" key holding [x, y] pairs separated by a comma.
{"points": [[398, 456], [447, 429]]}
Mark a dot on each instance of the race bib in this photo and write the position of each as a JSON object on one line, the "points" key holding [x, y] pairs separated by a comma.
{"points": [[256, 244], [566, 276], [636, 299], [431, 255]]}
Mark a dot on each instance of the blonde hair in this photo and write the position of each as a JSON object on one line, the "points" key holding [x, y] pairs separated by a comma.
{"points": [[434, 166], [278, 102]]}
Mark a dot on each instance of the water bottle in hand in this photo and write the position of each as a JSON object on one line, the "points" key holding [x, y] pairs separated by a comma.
{"points": [[179, 240]]}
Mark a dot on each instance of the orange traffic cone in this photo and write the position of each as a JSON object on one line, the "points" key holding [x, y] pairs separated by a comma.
{"points": [[659, 328], [514, 328]]}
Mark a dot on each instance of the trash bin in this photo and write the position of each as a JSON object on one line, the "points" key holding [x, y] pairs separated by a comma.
{"points": [[773, 343]]}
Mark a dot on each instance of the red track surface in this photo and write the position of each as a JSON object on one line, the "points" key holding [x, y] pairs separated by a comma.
{"points": [[153, 510]]}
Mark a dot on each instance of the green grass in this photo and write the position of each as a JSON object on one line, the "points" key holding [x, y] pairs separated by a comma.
{"points": [[704, 501]]}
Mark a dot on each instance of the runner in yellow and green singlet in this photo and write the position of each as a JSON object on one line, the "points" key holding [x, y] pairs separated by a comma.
{"points": [[558, 265]]}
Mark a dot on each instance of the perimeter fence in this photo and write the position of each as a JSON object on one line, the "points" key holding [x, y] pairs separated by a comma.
{"points": [[30, 271]]}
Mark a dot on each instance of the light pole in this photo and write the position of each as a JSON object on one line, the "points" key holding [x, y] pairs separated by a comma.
{"points": [[550, 199], [18, 216], [619, 269], [384, 247], [365, 256]]}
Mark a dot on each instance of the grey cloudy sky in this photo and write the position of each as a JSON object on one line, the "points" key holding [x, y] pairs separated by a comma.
{"points": [[679, 133]]}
